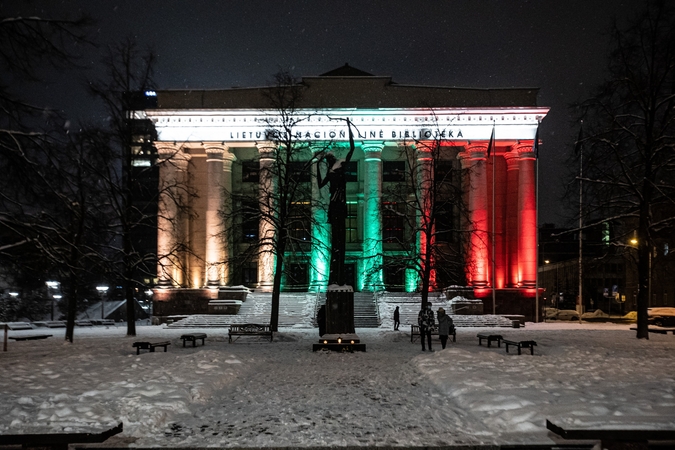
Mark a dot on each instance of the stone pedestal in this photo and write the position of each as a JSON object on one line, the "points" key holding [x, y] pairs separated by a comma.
{"points": [[339, 310], [340, 334]]}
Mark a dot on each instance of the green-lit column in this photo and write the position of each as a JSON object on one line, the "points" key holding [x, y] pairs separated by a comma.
{"points": [[320, 253], [371, 276]]}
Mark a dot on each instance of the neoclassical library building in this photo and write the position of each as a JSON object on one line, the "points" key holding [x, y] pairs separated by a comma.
{"points": [[215, 144]]}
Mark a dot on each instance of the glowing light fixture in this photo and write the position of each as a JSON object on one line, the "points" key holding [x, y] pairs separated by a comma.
{"points": [[325, 342], [13, 294], [339, 340]]}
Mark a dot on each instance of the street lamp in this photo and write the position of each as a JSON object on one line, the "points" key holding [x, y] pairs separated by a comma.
{"points": [[102, 291], [53, 285]]}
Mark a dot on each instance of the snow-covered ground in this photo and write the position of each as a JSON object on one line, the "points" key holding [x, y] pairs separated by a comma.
{"points": [[257, 393]]}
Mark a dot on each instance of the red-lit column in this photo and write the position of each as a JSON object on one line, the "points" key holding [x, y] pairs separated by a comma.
{"points": [[511, 232], [527, 217], [425, 179], [473, 159], [497, 175]]}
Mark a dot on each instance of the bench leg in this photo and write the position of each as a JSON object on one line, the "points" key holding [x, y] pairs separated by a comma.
{"points": [[183, 343], [138, 350], [152, 349], [519, 350], [194, 342], [166, 348]]}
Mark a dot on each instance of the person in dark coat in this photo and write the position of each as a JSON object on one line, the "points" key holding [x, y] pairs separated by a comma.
{"points": [[397, 319], [425, 320], [445, 326]]}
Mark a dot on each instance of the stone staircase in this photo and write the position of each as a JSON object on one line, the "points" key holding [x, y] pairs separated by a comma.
{"points": [[409, 307], [299, 310], [295, 310]]}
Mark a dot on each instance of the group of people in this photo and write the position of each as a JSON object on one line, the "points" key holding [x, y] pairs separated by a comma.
{"points": [[427, 322]]}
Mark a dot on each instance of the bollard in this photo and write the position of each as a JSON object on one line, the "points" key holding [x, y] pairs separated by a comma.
{"points": [[4, 346]]}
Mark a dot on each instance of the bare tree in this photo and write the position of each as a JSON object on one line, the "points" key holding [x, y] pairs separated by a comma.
{"points": [[627, 150], [430, 206], [281, 204], [129, 75]]}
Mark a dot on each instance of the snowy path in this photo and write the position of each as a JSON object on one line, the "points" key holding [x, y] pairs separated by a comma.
{"points": [[257, 393]]}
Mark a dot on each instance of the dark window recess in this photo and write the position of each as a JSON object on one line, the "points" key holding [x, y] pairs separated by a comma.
{"points": [[250, 172], [250, 223], [444, 221], [352, 171], [297, 275], [350, 275], [300, 171], [249, 274], [351, 231], [393, 221], [443, 172], [299, 221], [393, 170], [394, 276]]}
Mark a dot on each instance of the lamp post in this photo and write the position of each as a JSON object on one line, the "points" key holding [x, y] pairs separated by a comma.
{"points": [[102, 291], [53, 286]]}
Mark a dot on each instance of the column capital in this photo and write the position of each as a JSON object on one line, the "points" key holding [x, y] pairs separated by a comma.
{"points": [[372, 149], [523, 150]]}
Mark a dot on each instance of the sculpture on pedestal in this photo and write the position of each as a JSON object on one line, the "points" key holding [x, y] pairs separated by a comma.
{"points": [[336, 179]]}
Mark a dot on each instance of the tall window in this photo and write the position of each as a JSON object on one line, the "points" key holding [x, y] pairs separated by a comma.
{"points": [[299, 221], [352, 171], [250, 221], [393, 221], [249, 274], [250, 172], [351, 234], [300, 171], [297, 276], [393, 170]]}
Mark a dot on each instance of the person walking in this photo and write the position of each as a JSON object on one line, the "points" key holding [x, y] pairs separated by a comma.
{"points": [[425, 320], [397, 319], [445, 326]]}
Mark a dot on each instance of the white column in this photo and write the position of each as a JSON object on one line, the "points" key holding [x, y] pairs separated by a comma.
{"points": [[372, 221], [266, 258], [171, 230]]}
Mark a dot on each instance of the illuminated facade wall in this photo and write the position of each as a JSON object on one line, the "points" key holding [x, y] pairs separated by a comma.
{"points": [[207, 147]]}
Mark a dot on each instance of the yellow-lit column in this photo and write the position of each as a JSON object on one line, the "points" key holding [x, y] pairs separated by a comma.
{"points": [[266, 258], [171, 230], [372, 220], [219, 186]]}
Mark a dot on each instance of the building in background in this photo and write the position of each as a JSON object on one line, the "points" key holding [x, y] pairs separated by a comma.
{"points": [[213, 142]]}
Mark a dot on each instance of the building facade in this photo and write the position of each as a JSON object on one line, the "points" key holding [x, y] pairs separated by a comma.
{"points": [[212, 147]]}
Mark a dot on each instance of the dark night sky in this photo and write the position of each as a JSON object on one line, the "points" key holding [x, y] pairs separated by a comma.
{"points": [[559, 46]]}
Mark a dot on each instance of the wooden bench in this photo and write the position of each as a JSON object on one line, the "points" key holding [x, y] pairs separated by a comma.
{"points": [[520, 345], [415, 331], [31, 337], [150, 346], [490, 338], [193, 337], [250, 329], [624, 438], [660, 330]]}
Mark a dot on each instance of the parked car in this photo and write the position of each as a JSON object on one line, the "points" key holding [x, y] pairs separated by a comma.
{"points": [[567, 314], [661, 316]]}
